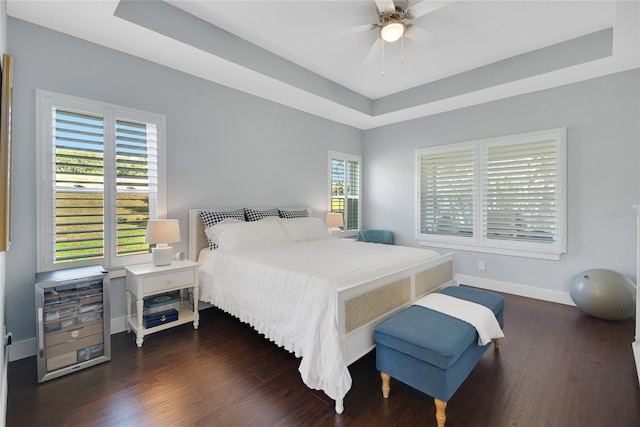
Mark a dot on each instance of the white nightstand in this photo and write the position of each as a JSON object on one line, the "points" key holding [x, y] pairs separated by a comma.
{"points": [[146, 279]]}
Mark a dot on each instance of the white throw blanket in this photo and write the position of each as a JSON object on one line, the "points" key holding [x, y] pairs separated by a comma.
{"points": [[477, 315]]}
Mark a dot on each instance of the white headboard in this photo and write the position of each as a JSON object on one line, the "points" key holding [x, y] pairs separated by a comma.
{"points": [[197, 238]]}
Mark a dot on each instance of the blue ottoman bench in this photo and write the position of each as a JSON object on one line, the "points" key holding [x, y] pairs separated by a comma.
{"points": [[431, 351]]}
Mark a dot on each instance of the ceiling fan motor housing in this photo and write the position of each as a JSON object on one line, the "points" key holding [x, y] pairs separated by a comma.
{"points": [[392, 25], [398, 15]]}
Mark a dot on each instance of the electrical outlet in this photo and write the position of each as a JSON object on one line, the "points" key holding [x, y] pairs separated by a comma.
{"points": [[482, 265]]}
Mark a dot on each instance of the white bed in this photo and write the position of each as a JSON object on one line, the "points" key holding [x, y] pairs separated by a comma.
{"points": [[319, 298]]}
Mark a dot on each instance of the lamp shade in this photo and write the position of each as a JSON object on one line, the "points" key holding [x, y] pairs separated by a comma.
{"points": [[162, 231], [334, 220]]}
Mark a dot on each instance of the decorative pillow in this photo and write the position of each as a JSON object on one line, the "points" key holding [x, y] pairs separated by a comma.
{"points": [[305, 229], [209, 230], [294, 214], [248, 235], [255, 215], [211, 218]]}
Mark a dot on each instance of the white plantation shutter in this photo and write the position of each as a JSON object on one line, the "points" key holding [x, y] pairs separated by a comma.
{"points": [[338, 174], [353, 195], [344, 188], [101, 178], [447, 192], [79, 186], [520, 192], [501, 195], [136, 183]]}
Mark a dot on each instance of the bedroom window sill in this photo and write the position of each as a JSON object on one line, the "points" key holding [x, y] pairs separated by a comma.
{"points": [[552, 256]]}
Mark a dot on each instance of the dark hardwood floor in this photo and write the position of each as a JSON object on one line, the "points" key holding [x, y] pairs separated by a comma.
{"points": [[556, 367]]}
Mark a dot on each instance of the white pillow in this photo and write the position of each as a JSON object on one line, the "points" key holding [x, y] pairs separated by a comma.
{"points": [[247, 235], [305, 229], [209, 230]]}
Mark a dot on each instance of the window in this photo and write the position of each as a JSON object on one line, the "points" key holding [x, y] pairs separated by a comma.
{"points": [[500, 195], [101, 178], [344, 185]]}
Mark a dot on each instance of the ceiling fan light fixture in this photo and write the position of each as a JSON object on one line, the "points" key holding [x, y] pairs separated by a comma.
{"points": [[392, 30]]}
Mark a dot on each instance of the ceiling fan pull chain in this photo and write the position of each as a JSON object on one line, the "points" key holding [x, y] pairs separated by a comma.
{"points": [[382, 61], [402, 49]]}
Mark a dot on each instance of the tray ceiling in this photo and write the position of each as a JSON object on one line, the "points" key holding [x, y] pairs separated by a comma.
{"points": [[297, 53]]}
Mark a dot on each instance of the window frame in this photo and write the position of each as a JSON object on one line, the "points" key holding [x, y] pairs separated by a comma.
{"points": [[346, 158], [45, 103], [479, 242]]}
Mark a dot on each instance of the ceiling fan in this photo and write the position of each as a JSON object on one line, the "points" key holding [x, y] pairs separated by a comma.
{"points": [[394, 24]]}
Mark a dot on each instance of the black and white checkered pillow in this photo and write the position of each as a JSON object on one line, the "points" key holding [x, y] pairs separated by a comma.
{"points": [[256, 215], [294, 214], [211, 218]]}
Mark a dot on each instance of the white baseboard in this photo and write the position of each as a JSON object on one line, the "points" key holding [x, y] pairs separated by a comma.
{"points": [[636, 355], [22, 349], [5, 387], [118, 324], [516, 289]]}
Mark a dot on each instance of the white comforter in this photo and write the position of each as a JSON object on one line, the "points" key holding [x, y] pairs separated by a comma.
{"points": [[287, 293]]}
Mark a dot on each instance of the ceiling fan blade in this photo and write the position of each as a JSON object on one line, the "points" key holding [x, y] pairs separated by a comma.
{"points": [[420, 35], [427, 6], [353, 30], [385, 6], [374, 52]]}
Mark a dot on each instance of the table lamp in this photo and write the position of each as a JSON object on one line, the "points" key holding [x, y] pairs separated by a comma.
{"points": [[161, 232], [334, 221]]}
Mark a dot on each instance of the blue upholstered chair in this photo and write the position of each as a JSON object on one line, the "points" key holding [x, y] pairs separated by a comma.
{"points": [[376, 236]]}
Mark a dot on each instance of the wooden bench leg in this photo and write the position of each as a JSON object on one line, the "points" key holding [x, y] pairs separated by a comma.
{"points": [[496, 343], [386, 379], [440, 412]]}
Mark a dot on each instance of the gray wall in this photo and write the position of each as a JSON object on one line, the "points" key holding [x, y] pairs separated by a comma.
{"points": [[603, 139], [225, 148]]}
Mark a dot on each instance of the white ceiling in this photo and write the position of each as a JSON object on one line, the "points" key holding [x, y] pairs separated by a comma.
{"points": [[305, 33], [330, 78]]}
